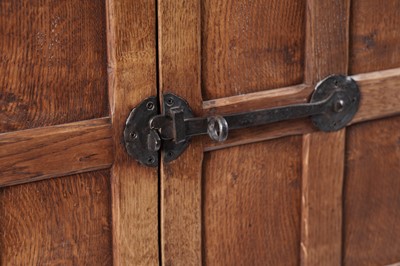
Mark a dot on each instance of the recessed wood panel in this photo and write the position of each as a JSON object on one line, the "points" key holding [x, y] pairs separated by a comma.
{"points": [[250, 46], [251, 204], [61, 221], [372, 193], [52, 62], [374, 35]]}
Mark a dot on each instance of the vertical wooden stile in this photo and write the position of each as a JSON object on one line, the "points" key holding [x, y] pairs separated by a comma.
{"points": [[327, 35], [132, 77], [179, 73]]}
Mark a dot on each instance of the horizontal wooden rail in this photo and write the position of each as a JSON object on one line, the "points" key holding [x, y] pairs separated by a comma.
{"points": [[40, 153], [259, 100], [380, 97], [380, 94]]}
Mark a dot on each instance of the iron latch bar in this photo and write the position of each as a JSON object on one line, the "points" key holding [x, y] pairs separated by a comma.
{"points": [[333, 104]]}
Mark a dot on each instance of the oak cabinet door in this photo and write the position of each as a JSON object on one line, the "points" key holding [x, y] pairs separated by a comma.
{"points": [[281, 194], [70, 72]]}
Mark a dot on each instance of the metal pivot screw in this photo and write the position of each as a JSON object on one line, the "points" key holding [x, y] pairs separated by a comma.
{"points": [[338, 106]]}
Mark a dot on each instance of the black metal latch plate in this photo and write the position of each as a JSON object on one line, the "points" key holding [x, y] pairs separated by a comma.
{"points": [[333, 104]]}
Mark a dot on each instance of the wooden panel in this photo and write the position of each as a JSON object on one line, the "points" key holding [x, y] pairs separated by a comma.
{"points": [[372, 189], [375, 35], [327, 34], [323, 167], [35, 154], [251, 204], [62, 221], [131, 34], [52, 62], [250, 46], [179, 64]]}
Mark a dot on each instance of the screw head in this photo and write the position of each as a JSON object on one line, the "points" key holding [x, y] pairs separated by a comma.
{"points": [[151, 159], [133, 135], [170, 101], [338, 106], [150, 106]]}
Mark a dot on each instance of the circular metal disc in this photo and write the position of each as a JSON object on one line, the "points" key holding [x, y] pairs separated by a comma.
{"points": [[343, 106], [137, 132]]}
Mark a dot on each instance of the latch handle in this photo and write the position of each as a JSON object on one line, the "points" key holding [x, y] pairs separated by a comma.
{"points": [[333, 104]]}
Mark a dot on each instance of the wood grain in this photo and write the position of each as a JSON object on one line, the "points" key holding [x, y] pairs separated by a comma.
{"points": [[380, 94], [48, 152], [327, 34], [327, 38], [179, 65], [131, 33], [258, 100], [61, 221], [394, 264], [251, 204], [375, 35], [371, 193], [250, 46], [323, 167], [52, 62]]}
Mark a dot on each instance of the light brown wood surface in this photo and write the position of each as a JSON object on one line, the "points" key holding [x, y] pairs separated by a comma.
{"points": [[251, 204], [250, 46], [179, 66], [371, 193], [53, 71], [327, 34], [371, 189], [131, 36], [48, 152], [380, 94], [327, 38], [53, 63], [322, 184], [258, 100]]}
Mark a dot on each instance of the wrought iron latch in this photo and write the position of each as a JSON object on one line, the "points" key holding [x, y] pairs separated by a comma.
{"points": [[333, 104]]}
